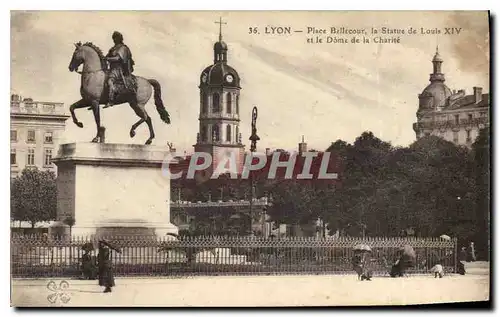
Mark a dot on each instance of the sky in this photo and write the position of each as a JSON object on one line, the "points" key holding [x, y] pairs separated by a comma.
{"points": [[322, 91]]}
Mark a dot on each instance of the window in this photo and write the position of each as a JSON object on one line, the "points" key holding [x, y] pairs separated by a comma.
{"points": [[468, 135], [215, 133], [229, 103], [204, 102], [237, 135], [237, 104], [455, 136], [228, 133], [457, 119], [204, 133], [48, 137], [13, 157], [47, 157], [215, 103], [13, 135], [470, 117], [31, 157], [31, 136]]}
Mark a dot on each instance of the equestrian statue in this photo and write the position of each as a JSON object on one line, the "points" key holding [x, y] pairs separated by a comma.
{"points": [[113, 85]]}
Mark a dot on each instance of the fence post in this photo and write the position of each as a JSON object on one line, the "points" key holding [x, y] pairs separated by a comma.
{"points": [[455, 240]]}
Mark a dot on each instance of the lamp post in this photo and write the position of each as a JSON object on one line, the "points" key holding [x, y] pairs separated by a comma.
{"points": [[253, 147]]}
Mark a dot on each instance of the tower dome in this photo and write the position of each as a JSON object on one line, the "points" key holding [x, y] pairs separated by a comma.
{"points": [[220, 73], [436, 93]]}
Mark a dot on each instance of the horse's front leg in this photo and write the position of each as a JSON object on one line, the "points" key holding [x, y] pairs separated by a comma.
{"points": [[97, 117], [79, 104]]}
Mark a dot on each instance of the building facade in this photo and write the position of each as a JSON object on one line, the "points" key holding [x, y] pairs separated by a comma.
{"points": [[35, 131], [451, 115]]}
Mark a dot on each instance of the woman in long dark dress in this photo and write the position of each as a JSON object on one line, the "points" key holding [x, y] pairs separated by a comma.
{"points": [[106, 277], [89, 269]]}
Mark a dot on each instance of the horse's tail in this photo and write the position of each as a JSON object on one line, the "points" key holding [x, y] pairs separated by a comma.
{"points": [[158, 102]]}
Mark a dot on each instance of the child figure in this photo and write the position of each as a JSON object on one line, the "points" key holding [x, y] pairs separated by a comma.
{"points": [[438, 270]]}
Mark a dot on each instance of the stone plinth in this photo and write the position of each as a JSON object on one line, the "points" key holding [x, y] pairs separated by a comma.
{"points": [[113, 186]]}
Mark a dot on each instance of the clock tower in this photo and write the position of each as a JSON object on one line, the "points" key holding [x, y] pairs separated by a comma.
{"points": [[219, 117]]}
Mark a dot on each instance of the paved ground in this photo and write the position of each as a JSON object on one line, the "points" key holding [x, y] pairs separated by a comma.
{"points": [[316, 290]]}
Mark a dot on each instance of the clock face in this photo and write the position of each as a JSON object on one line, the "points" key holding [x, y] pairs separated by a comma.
{"points": [[229, 78], [204, 78]]}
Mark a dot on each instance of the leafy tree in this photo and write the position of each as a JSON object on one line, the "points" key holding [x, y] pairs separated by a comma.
{"points": [[481, 157], [70, 222], [34, 196]]}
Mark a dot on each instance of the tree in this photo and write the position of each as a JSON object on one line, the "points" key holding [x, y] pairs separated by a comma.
{"points": [[70, 222], [34, 196], [481, 157]]}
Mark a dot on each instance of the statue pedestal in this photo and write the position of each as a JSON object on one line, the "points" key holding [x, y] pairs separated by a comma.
{"points": [[114, 188]]}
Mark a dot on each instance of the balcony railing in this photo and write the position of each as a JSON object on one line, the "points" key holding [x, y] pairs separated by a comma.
{"points": [[37, 108], [448, 124]]}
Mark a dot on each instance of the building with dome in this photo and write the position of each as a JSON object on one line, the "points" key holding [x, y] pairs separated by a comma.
{"points": [[219, 117], [450, 114]]}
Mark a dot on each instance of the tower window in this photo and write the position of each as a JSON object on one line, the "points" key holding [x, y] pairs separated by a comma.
{"points": [[215, 133], [229, 103], [216, 103], [237, 134], [228, 133], [204, 133], [204, 103], [457, 119], [237, 104], [470, 117]]}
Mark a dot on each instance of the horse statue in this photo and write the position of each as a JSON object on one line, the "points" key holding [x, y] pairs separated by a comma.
{"points": [[94, 91]]}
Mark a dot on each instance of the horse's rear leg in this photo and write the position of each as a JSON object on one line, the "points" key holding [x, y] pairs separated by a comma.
{"points": [[139, 113], [147, 118], [79, 104]]}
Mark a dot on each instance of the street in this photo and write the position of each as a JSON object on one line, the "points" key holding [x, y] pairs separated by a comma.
{"points": [[307, 290]]}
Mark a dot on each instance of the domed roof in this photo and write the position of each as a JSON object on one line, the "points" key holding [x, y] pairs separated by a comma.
{"points": [[439, 91], [220, 74], [437, 57], [220, 45]]}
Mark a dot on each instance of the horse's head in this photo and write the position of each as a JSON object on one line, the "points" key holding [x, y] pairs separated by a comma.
{"points": [[87, 54], [78, 57]]}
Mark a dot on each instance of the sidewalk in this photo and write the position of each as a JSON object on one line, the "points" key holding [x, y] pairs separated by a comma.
{"points": [[316, 290]]}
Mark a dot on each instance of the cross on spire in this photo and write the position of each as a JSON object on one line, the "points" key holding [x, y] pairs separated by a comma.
{"points": [[220, 27]]}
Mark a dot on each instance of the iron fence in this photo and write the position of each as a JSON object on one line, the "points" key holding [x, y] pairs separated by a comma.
{"points": [[36, 256]]}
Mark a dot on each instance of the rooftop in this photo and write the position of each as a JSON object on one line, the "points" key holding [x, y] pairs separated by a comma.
{"points": [[28, 106]]}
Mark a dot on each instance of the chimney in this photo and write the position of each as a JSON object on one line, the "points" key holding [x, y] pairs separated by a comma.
{"points": [[15, 98], [478, 94], [302, 146], [454, 91], [268, 151]]}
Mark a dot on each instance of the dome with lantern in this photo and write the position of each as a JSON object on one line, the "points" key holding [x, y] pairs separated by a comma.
{"points": [[220, 73], [436, 93]]}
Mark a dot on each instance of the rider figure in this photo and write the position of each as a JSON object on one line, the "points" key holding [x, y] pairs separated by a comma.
{"points": [[121, 67]]}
